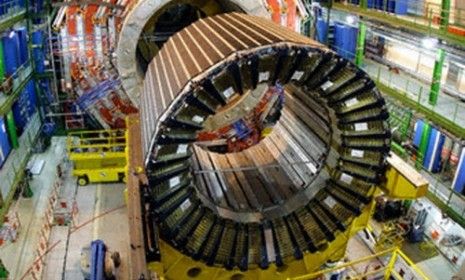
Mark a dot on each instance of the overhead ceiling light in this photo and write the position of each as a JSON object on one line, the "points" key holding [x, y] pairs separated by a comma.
{"points": [[351, 19], [429, 43]]}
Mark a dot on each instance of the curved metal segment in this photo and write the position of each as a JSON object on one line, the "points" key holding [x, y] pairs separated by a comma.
{"points": [[132, 28], [294, 191]]}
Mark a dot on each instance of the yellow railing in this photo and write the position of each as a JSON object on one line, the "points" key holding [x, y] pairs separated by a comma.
{"points": [[388, 267], [96, 140]]}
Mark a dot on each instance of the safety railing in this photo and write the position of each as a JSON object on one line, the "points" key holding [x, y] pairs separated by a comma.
{"points": [[440, 185], [36, 269], [388, 264], [411, 85], [431, 16], [11, 83], [96, 141], [418, 92], [10, 8]]}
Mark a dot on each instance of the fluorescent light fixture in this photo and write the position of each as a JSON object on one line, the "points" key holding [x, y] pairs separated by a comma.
{"points": [[429, 43], [351, 19]]}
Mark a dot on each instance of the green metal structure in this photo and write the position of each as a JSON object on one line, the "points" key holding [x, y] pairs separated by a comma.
{"points": [[437, 77], [423, 27], [11, 126], [360, 51], [423, 144], [434, 117], [445, 14], [364, 4], [3, 271]]}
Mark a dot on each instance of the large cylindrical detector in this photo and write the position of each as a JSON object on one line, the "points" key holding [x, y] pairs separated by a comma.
{"points": [[261, 144]]}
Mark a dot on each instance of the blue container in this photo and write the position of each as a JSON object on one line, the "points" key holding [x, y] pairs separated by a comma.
{"points": [[339, 30], [46, 90], [432, 160], [2, 8], [350, 42], [401, 7], [31, 90], [38, 6], [97, 260], [419, 125], [10, 43], [21, 110], [391, 6], [459, 180], [19, 116], [49, 128], [5, 147], [321, 30], [23, 49], [379, 4], [371, 4], [345, 40], [38, 51]]}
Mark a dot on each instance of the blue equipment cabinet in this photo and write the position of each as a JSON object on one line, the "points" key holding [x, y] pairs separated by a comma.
{"points": [[459, 180], [38, 52], [418, 133], [321, 30], [97, 262], [5, 147], [432, 160], [345, 40], [10, 43], [22, 45]]}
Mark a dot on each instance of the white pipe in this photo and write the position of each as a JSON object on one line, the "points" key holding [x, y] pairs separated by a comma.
{"points": [[59, 18], [66, 56], [459, 167], [80, 35], [435, 150]]}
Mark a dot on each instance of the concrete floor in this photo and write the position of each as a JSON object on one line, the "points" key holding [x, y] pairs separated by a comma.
{"points": [[17, 256], [102, 215], [437, 268]]}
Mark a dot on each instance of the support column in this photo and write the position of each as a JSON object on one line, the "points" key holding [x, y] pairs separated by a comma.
{"points": [[359, 53], [2, 65], [11, 126], [423, 144], [437, 77], [328, 18], [445, 14], [364, 4], [406, 120]]}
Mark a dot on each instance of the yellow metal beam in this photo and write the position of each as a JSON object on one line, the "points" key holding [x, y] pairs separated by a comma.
{"points": [[403, 181]]}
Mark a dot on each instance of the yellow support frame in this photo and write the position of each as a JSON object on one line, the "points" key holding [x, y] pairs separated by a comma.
{"points": [[389, 270], [403, 181], [175, 265]]}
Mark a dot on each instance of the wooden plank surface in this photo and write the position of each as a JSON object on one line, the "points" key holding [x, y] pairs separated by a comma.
{"points": [[138, 265]]}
